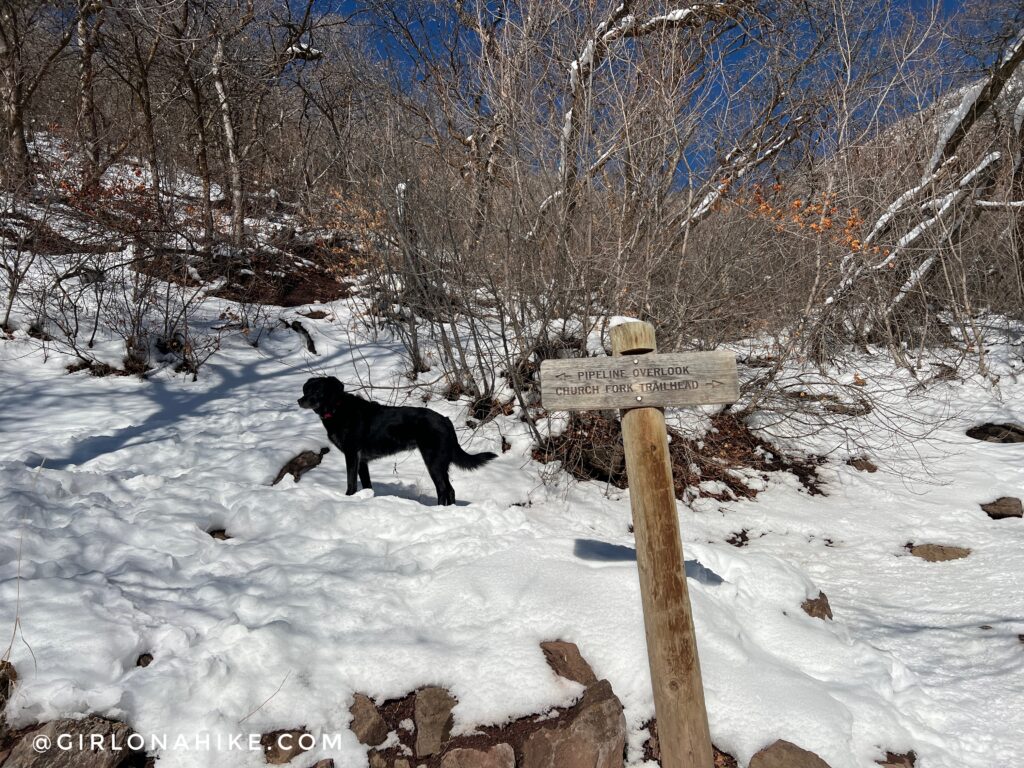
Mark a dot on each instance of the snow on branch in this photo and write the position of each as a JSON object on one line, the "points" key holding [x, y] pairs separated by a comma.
{"points": [[942, 206], [976, 100], [902, 200], [304, 52], [999, 203], [623, 24], [619, 25], [966, 187]]}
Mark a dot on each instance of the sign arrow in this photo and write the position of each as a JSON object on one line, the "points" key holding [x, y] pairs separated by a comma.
{"points": [[715, 383]]}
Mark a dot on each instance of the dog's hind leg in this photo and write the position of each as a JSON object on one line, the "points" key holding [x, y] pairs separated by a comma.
{"points": [[443, 486], [364, 474]]}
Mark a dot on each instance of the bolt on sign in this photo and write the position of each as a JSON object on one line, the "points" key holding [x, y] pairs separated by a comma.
{"points": [[641, 382]]}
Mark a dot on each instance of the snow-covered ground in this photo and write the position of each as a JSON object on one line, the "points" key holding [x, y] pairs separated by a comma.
{"points": [[108, 486]]}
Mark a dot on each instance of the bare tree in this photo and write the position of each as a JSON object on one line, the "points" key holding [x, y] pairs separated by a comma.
{"points": [[23, 25]]}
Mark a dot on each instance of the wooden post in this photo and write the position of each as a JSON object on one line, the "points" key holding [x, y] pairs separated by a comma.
{"points": [[671, 643]]}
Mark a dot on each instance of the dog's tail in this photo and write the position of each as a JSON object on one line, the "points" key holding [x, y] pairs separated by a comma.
{"points": [[471, 460]]}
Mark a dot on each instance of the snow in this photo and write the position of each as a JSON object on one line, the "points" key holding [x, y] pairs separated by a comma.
{"points": [[304, 50], [109, 486], [949, 125]]}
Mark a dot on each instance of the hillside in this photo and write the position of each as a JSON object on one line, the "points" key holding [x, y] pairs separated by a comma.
{"points": [[112, 485]]}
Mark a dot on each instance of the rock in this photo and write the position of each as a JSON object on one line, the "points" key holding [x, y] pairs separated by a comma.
{"points": [[383, 760], [219, 534], [115, 734], [144, 660], [783, 754], [498, 756], [367, 724], [280, 747], [324, 764], [863, 464], [296, 326], [433, 716], [591, 735], [8, 677], [937, 553], [1004, 507], [566, 661], [892, 760], [299, 465], [997, 433], [817, 607]]}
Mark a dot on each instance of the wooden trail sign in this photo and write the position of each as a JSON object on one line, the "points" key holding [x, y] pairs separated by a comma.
{"points": [[639, 382], [680, 378]]}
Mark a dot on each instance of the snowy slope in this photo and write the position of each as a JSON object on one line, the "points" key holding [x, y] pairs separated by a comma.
{"points": [[108, 486]]}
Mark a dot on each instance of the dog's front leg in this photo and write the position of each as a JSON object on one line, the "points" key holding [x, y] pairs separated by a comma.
{"points": [[352, 467], [364, 474]]}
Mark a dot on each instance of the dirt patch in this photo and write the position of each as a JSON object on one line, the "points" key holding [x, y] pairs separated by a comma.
{"points": [[103, 369], [486, 408], [862, 464], [739, 539], [590, 448], [37, 236], [260, 276], [936, 553]]}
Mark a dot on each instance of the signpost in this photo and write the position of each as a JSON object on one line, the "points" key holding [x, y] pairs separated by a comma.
{"points": [[640, 382]]}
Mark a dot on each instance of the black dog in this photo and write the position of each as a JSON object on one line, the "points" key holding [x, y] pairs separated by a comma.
{"points": [[365, 430]]}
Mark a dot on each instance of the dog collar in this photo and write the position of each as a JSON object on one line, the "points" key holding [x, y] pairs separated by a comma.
{"points": [[327, 415]]}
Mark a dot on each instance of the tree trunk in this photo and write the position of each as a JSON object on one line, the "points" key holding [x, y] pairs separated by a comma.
{"points": [[203, 159], [231, 142], [20, 172], [19, 167], [87, 30]]}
